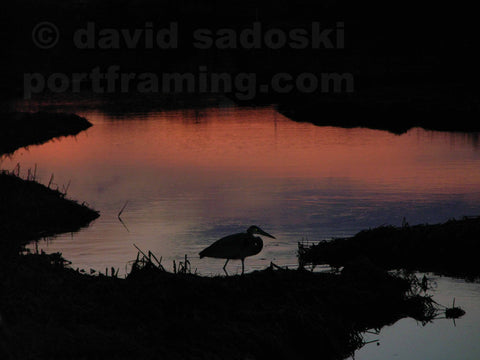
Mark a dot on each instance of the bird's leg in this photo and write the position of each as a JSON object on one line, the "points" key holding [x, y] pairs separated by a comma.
{"points": [[224, 266], [243, 265]]}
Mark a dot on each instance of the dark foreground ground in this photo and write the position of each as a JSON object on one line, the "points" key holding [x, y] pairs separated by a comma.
{"points": [[53, 312], [450, 248]]}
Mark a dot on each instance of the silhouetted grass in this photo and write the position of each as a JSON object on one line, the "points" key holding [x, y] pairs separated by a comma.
{"points": [[450, 248], [20, 129]]}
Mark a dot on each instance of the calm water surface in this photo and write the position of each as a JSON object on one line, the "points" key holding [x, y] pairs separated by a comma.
{"points": [[192, 176]]}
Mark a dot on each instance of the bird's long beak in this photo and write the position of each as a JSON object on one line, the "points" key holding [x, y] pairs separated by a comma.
{"points": [[261, 232]]}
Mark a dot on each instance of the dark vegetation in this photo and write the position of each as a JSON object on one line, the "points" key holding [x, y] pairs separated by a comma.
{"points": [[29, 210], [53, 312], [450, 248], [20, 129]]}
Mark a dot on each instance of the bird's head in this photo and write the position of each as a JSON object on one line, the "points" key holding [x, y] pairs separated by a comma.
{"points": [[256, 230]]}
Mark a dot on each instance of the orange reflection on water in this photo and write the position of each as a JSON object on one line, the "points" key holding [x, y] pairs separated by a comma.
{"points": [[260, 143]]}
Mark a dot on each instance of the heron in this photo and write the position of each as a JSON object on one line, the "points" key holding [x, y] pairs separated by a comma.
{"points": [[237, 246]]}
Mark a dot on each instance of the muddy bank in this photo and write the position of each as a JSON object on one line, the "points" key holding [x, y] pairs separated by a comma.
{"points": [[450, 248], [19, 129], [30, 210], [54, 312]]}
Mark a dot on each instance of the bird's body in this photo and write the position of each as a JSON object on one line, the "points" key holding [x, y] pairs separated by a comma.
{"points": [[236, 246]]}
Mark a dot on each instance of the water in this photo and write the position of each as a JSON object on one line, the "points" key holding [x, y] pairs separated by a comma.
{"points": [[440, 340], [191, 176]]}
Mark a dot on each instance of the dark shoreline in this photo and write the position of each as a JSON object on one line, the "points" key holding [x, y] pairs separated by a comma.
{"points": [[20, 129], [450, 248], [396, 116], [31, 211]]}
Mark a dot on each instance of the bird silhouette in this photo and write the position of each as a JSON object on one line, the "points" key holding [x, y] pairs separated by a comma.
{"points": [[236, 246]]}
